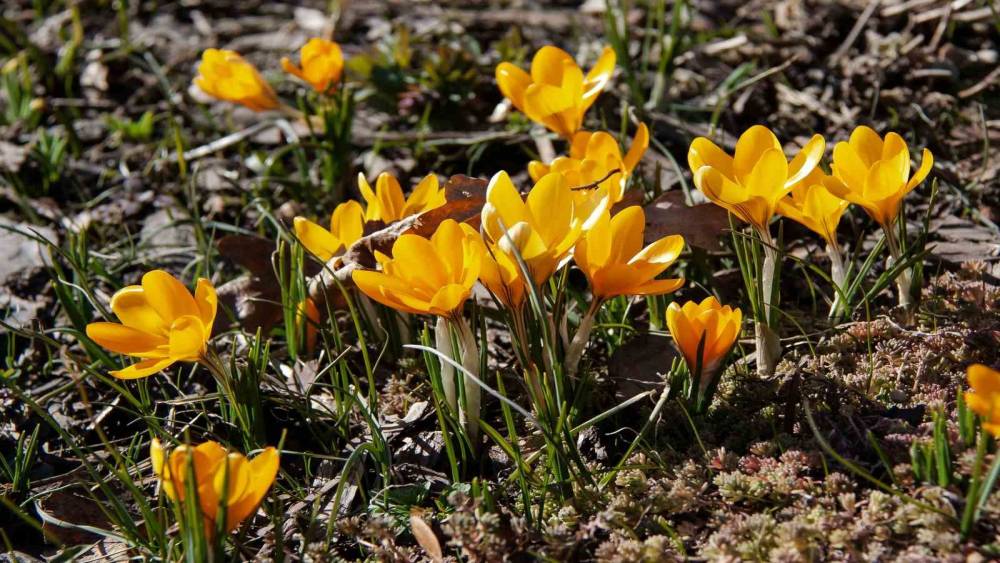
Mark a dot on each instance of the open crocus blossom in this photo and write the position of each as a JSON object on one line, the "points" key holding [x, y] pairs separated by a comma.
{"points": [[984, 399], [542, 228], [613, 258], [752, 182], [161, 323], [875, 173], [228, 76], [214, 468], [704, 333], [347, 224], [556, 93], [322, 62], [386, 202], [811, 204], [426, 276], [593, 159]]}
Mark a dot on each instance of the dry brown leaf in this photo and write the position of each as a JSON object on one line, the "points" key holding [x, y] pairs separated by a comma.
{"points": [[66, 516], [465, 198], [701, 225], [251, 252], [425, 535]]}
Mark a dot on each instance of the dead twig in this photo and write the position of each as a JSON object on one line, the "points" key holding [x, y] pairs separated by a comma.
{"points": [[852, 36], [983, 84]]}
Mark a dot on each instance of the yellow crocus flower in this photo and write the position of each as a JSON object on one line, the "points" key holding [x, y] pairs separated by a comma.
{"points": [[386, 202], [556, 94], [542, 227], [322, 63], [752, 182], [718, 325], [347, 225], [875, 173], [228, 76], [615, 263], [811, 204], [214, 468], [984, 399], [426, 276], [592, 157], [501, 274], [161, 323]]}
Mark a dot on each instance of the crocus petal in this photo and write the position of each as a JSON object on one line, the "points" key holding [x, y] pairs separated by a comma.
{"points": [[290, 68], [144, 368], [426, 196], [390, 200], [766, 178], [627, 227], [866, 144], [658, 287], [663, 251], [983, 379], [926, 163], [168, 296], [132, 307], [316, 239], [347, 222], [375, 284], [537, 169], [551, 206], [187, 338], [849, 167], [638, 148], [449, 298], [368, 194], [542, 100], [126, 340], [548, 64], [207, 300], [512, 82], [750, 147], [230, 483], [598, 76], [262, 471], [703, 152], [978, 403], [806, 161], [504, 204]]}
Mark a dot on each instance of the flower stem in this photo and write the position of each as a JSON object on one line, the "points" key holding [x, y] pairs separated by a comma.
{"points": [[904, 281], [839, 275], [768, 344], [473, 394], [442, 340], [574, 352]]}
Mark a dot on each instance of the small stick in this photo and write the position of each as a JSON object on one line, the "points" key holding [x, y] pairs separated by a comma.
{"points": [[852, 36]]}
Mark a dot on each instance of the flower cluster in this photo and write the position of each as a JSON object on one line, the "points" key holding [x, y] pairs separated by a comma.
{"points": [[227, 76], [518, 254], [758, 181]]}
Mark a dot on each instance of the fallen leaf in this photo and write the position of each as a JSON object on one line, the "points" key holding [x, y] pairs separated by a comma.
{"points": [[251, 252], [467, 196], [66, 517], [701, 225], [640, 365], [255, 301]]}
